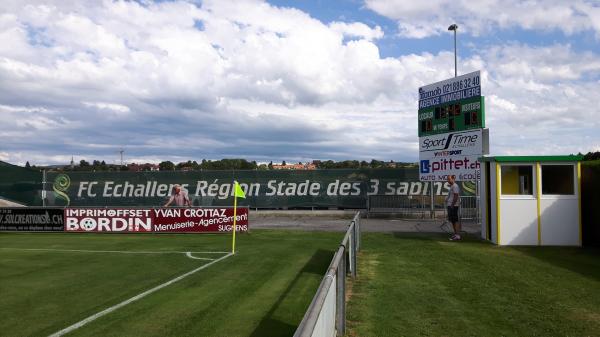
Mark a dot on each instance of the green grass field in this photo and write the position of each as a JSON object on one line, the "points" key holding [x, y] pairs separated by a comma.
{"points": [[424, 285], [263, 290]]}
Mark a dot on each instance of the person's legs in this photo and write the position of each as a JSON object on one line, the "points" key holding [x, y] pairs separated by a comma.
{"points": [[453, 217]]}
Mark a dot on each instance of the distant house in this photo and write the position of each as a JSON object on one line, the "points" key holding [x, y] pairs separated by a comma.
{"points": [[142, 167], [299, 166]]}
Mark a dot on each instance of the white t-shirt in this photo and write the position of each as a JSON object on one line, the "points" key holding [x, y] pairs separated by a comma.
{"points": [[453, 189]]}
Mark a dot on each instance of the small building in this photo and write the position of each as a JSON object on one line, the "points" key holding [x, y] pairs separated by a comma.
{"points": [[299, 166], [531, 200], [142, 167]]}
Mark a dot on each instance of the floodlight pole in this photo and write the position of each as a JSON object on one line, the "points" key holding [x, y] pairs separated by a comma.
{"points": [[454, 27]]}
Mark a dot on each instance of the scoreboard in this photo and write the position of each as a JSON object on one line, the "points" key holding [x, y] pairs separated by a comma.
{"points": [[458, 116], [452, 105], [451, 119]]}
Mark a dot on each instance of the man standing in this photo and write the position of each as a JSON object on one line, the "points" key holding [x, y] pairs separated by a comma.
{"points": [[452, 204], [179, 197]]}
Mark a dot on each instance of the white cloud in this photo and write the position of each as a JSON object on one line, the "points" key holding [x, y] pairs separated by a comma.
{"points": [[174, 80], [357, 29], [422, 19], [118, 108]]}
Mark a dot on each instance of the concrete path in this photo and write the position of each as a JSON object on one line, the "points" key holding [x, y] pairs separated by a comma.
{"points": [[340, 221]]}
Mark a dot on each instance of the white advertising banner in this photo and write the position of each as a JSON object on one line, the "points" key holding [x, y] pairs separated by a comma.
{"points": [[450, 90], [448, 144], [464, 168], [454, 153]]}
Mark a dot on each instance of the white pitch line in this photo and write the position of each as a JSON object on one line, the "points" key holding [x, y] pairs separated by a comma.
{"points": [[109, 251], [189, 254], [133, 299]]}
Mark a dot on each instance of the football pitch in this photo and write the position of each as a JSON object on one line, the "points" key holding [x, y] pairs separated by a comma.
{"points": [[421, 284], [159, 285]]}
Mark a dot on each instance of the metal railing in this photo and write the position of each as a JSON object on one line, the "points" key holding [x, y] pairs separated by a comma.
{"points": [[469, 208], [326, 315], [419, 206]]}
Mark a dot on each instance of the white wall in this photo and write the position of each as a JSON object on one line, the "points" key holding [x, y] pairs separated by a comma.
{"points": [[560, 221], [518, 221]]}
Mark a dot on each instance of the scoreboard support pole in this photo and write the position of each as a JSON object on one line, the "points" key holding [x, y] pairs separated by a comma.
{"points": [[432, 206]]}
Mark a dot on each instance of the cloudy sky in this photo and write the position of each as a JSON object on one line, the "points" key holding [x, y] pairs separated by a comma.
{"points": [[287, 80]]}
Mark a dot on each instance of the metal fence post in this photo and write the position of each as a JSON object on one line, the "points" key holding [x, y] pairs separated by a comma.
{"points": [[353, 249], [43, 188], [357, 226], [341, 297]]}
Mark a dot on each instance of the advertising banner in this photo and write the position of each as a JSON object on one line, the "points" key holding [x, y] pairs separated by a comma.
{"points": [[212, 220], [21, 185], [454, 153], [465, 168], [108, 220], [463, 143], [273, 189], [155, 220], [31, 219]]}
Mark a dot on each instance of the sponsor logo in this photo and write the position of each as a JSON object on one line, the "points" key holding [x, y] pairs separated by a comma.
{"points": [[61, 186], [108, 224], [453, 141], [447, 153], [439, 143], [424, 166], [427, 166]]}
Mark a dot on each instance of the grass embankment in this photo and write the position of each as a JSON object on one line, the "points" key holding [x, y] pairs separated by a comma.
{"points": [[263, 290], [419, 285]]}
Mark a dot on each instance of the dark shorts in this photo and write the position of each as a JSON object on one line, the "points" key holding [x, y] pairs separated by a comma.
{"points": [[453, 214]]}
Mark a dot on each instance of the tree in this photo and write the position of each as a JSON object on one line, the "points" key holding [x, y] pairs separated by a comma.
{"points": [[27, 165], [592, 156], [166, 166], [84, 164], [376, 163], [270, 166]]}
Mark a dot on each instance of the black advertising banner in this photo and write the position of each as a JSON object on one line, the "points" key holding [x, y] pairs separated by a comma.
{"points": [[345, 188], [269, 189], [31, 219]]}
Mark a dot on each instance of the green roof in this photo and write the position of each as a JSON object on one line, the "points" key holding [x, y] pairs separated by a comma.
{"points": [[512, 159]]}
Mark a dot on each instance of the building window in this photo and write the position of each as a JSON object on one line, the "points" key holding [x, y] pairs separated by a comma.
{"points": [[517, 179], [558, 179]]}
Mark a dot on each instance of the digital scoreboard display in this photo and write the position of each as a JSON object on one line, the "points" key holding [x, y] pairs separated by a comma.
{"points": [[452, 105], [458, 116]]}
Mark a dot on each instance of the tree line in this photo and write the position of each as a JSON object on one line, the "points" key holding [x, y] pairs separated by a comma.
{"points": [[243, 164], [223, 164]]}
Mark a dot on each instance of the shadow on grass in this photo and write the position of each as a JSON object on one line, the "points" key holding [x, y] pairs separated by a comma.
{"points": [[425, 236], [584, 261], [270, 326]]}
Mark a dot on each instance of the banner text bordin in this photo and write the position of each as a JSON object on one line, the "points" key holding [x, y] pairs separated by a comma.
{"points": [[155, 220]]}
